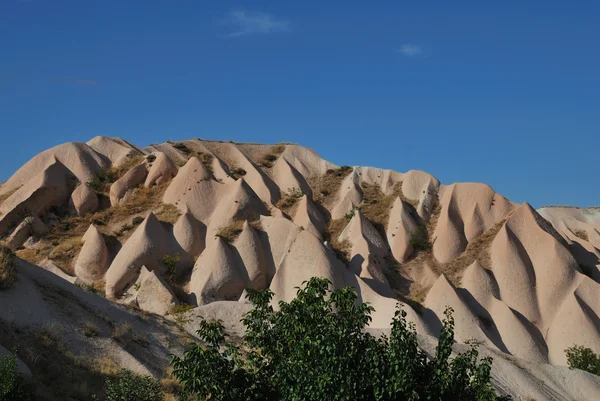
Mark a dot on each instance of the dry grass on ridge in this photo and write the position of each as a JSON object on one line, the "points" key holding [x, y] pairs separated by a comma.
{"points": [[231, 232], [63, 242], [478, 249], [581, 235], [325, 187]]}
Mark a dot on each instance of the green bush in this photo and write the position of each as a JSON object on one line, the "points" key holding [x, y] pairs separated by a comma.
{"points": [[580, 357], [348, 216], [171, 262], [8, 267], [315, 348], [419, 239], [129, 386], [12, 385], [237, 172]]}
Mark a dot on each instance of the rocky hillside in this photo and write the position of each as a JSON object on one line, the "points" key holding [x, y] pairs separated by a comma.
{"points": [[197, 222]]}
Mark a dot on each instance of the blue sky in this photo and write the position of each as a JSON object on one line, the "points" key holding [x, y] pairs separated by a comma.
{"points": [[506, 93]]}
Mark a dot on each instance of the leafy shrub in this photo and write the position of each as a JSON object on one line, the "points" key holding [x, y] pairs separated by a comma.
{"points": [[419, 239], [289, 199], [580, 357], [171, 262], [295, 193], [101, 182], [315, 348], [13, 386], [126, 227], [237, 172], [179, 312], [342, 171], [8, 267], [96, 184], [181, 147], [129, 386], [137, 220], [348, 216]]}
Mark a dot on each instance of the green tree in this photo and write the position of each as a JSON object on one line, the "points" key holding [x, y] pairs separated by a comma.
{"points": [[13, 386], [580, 357], [315, 348]]}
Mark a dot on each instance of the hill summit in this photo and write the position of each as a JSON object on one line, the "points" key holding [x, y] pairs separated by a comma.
{"points": [[193, 224]]}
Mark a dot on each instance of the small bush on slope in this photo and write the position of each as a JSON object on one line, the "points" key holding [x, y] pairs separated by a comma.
{"points": [[315, 348], [419, 239], [580, 357], [131, 387], [12, 385], [8, 267]]}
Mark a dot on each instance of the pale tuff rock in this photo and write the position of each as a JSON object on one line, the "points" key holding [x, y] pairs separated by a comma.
{"points": [[400, 228], [288, 178], [49, 188], [462, 218], [146, 247], [367, 256], [124, 186], [190, 233], [161, 169], [30, 226], [253, 258], [309, 217], [217, 275], [116, 150], [92, 261], [77, 159], [195, 189], [154, 294], [534, 270], [83, 200], [350, 196]]}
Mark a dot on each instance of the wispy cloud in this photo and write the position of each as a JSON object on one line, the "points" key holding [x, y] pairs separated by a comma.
{"points": [[245, 23], [410, 50]]}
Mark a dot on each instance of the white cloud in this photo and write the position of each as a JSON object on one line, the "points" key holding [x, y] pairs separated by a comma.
{"points": [[244, 23], [410, 50]]}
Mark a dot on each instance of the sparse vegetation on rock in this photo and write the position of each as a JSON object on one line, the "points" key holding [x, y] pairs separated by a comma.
{"points": [[231, 232], [581, 234], [269, 159], [101, 182], [325, 187], [419, 239], [237, 172], [179, 312], [289, 199], [580, 357]]}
